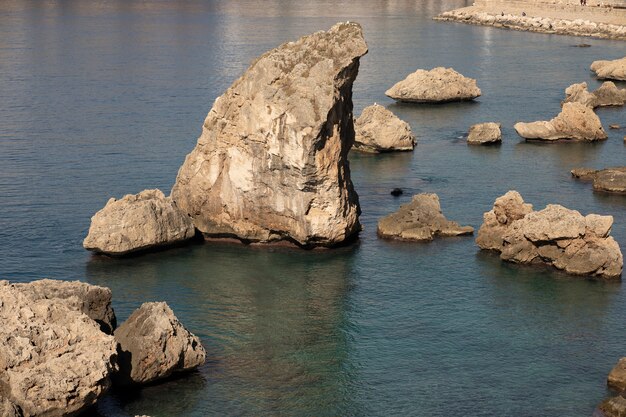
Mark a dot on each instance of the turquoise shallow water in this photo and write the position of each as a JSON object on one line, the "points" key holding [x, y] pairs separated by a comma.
{"points": [[100, 99]]}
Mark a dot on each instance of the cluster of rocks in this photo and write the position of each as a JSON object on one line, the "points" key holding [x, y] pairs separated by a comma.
{"points": [[606, 95], [616, 406], [438, 85], [60, 350], [610, 70], [610, 180], [555, 236], [379, 130], [576, 27]]}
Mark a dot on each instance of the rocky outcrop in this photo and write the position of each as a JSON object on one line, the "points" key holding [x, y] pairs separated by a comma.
{"points": [[484, 134], [617, 376], [138, 222], [379, 130], [606, 95], [435, 86], [610, 180], [610, 70], [555, 236], [54, 360], [92, 300], [153, 344], [614, 407], [576, 121], [271, 163], [420, 220]]}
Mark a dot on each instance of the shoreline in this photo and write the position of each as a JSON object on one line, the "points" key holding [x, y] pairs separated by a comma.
{"points": [[563, 19]]}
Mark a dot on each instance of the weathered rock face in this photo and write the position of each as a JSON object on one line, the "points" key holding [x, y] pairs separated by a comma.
{"points": [[576, 121], [271, 163], [556, 236], [607, 95], [434, 86], [617, 376], [610, 180], [153, 344], [138, 222], [379, 130], [611, 70], [54, 360], [8, 409], [614, 407], [92, 300], [420, 220], [484, 134]]}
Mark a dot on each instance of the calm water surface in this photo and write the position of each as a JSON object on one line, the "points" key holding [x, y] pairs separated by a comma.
{"points": [[100, 99]]}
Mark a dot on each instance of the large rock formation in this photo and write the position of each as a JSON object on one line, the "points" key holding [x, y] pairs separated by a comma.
{"points": [[420, 220], [434, 86], [139, 222], [576, 121], [610, 70], [610, 180], [606, 95], [556, 236], [484, 134], [271, 163], [379, 130], [92, 300], [54, 360], [153, 344]]}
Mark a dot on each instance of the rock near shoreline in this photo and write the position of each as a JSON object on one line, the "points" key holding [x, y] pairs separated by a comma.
{"points": [[611, 70], [484, 134], [379, 130], [438, 85], [606, 95], [610, 180]]}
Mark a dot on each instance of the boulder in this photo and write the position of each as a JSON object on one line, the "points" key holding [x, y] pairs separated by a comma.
{"points": [[92, 300], [611, 70], [484, 134], [54, 360], [272, 161], [610, 180], [153, 345], [555, 236], [617, 376], [379, 130], [576, 121], [138, 222], [614, 407], [420, 220], [434, 86], [606, 95]]}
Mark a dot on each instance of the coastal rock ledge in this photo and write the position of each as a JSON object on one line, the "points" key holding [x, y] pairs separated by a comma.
{"points": [[555, 236], [379, 130], [420, 220], [271, 163], [438, 85], [138, 222]]}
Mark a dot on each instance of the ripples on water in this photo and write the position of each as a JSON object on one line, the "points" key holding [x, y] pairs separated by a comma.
{"points": [[100, 99]]}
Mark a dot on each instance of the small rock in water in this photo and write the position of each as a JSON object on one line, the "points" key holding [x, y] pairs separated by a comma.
{"points": [[398, 191], [582, 45], [614, 126]]}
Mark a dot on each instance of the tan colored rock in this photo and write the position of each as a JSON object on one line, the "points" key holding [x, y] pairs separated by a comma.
{"points": [[611, 70], [578, 93], [434, 86], [606, 95], [484, 134], [271, 163], [138, 222], [420, 220], [614, 407], [576, 121], [610, 180], [54, 360], [92, 300], [8, 409], [617, 376], [379, 130], [556, 236], [153, 345]]}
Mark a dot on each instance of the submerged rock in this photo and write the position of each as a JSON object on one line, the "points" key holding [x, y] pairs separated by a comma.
{"points": [[606, 95], [139, 222], [379, 130], [434, 86], [420, 220], [54, 360], [611, 70], [153, 345], [576, 121], [555, 236], [484, 134], [617, 376], [610, 180], [271, 163]]}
